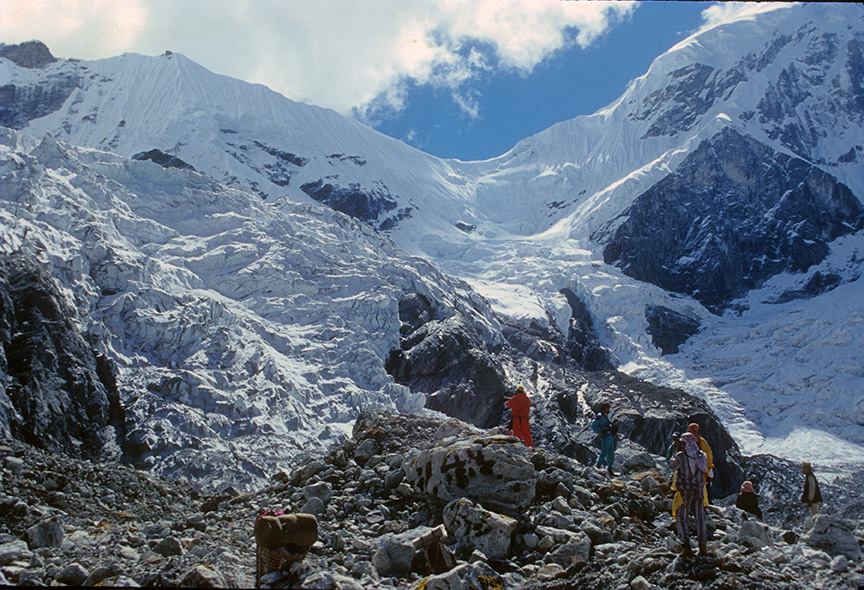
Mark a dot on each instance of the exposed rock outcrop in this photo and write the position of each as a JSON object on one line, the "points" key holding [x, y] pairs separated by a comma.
{"points": [[57, 392], [725, 221], [668, 328], [582, 342], [163, 159], [30, 54], [123, 527]]}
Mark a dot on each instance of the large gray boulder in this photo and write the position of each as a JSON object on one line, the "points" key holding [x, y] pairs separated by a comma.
{"points": [[494, 471], [755, 534], [833, 535], [48, 533], [463, 577], [576, 550], [395, 553], [14, 551], [478, 528]]}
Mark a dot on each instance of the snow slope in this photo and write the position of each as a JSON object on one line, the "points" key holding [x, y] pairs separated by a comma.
{"points": [[242, 329], [534, 220]]}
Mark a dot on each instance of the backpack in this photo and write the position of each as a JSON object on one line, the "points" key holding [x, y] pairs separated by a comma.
{"points": [[615, 428]]}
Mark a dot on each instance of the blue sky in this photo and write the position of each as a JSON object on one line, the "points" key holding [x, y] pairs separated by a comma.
{"points": [[455, 78], [572, 81]]}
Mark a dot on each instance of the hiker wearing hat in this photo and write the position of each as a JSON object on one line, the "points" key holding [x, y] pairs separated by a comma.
{"points": [[690, 466], [748, 501], [520, 407], [811, 496], [608, 434], [693, 429]]}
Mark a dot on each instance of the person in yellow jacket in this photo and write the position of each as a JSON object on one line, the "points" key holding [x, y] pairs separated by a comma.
{"points": [[693, 429]]}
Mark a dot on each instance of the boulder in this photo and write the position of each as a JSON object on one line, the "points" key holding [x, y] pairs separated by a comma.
{"points": [[639, 462], [366, 450], [203, 576], [463, 577], [329, 581], [576, 550], [395, 553], [169, 546], [479, 528], [48, 533], [755, 534], [313, 506], [73, 574], [14, 551], [14, 465], [321, 490], [833, 535], [494, 471]]}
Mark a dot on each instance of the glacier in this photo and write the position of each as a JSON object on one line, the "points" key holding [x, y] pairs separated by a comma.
{"points": [[172, 269]]}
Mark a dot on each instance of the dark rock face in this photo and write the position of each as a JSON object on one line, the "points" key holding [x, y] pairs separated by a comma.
{"points": [[57, 393], [163, 159], [365, 205], [668, 328], [448, 361], [648, 415], [792, 88], [19, 104], [817, 284], [691, 91], [733, 214], [31, 54], [582, 342]]}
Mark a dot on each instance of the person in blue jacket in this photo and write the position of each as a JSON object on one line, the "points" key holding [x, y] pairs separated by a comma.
{"points": [[604, 428]]}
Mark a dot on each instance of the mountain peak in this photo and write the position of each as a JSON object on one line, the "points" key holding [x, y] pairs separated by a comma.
{"points": [[30, 54]]}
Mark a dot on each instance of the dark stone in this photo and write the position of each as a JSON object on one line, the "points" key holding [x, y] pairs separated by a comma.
{"points": [[690, 92], [817, 284], [582, 343], [62, 396], [415, 310], [648, 414], [466, 227], [20, 104], [724, 221], [448, 361], [30, 54], [365, 205], [284, 156], [163, 159], [668, 328]]}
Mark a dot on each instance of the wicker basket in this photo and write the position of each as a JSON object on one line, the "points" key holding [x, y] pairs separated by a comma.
{"points": [[272, 560]]}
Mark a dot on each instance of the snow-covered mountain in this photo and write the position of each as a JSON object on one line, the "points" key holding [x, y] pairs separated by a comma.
{"points": [[741, 147], [242, 330]]}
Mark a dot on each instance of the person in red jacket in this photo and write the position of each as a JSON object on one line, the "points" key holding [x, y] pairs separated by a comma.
{"points": [[520, 407]]}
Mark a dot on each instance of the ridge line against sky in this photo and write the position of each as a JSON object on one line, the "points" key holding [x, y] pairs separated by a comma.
{"points": [[455, 78]]}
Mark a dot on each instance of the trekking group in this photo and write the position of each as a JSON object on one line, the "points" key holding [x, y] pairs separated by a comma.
{"points": [[692, 463]]}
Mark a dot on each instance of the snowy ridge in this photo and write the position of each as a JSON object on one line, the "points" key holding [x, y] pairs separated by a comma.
{"points": [[790, 78]]}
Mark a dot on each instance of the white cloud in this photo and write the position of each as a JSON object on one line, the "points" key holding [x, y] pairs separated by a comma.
{"points": [[727, 12], [93, 28], [347, 55]]}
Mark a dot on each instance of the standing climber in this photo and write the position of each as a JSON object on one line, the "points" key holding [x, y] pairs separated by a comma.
{"points": [[608, 433], [673, 448], [693, 429], [690, 466], [520, 407], [748, 501], [811, 496]]}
